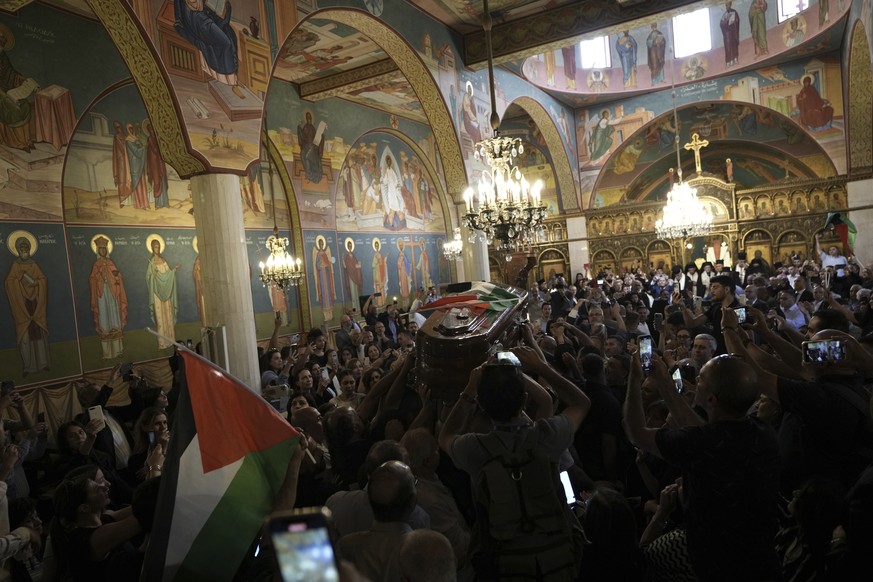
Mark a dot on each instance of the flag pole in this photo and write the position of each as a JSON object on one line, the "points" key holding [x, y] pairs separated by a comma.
{"points": [[182, 347]]}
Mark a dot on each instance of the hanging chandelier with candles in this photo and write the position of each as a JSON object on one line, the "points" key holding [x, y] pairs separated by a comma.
{"points": [[505, 210], [684, 214], [452, 248], [280, 269]]}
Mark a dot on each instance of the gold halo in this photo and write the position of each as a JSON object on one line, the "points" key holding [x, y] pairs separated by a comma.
{"points": [[157, 237], [375, 242], [15, 235], [346, 243], [322, 239], [400, 244], [109, 245], [10, 38], [194, 244]]}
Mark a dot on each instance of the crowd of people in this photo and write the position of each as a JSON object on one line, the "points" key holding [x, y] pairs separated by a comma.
{"points": [[710, 425]]}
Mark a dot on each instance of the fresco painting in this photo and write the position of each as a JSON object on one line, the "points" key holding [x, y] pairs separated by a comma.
{"points": [[40, 338], [345, 268], [744, 32]]}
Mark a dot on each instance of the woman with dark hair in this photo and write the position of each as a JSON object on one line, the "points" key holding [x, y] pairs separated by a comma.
{"points": [[322, 386], [273, 369], [157, 398], [300, 399], [85, 533], [347, 396], [610, 526], [369, 378], [347, 354], [150, 441], [76, 447]]}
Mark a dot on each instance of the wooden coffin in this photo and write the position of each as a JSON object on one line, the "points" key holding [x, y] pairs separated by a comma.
{"points": [[456, 339]]}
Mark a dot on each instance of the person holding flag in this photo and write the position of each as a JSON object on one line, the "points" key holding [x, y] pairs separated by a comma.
{"points": [[232, 460]]}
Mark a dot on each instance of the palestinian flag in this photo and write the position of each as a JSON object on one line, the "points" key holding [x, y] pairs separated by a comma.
{"points": [[844, 229], [227, 458]]}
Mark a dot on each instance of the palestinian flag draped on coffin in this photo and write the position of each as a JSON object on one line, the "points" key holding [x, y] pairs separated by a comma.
{"points": [[228, 454]]}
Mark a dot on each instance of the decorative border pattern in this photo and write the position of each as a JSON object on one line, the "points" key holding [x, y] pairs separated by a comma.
{"points": [[152, 84], [372, 74], [860, 117], [296, 227], [560, 161]]}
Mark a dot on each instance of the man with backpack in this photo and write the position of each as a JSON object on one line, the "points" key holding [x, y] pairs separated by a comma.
{"points": [[524, 528]]}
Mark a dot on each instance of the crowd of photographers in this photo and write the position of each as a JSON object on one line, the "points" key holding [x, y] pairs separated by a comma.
{"points": [[709, 424]]}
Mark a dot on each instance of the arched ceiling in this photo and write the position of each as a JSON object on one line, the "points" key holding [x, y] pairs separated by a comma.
{"points": [[763, 146]]}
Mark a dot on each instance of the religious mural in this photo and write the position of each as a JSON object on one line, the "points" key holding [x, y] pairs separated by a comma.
{"points": [[39, 338], [346, 268], [744, 32], [626, 137]]}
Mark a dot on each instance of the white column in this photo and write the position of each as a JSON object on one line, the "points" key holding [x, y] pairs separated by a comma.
{"points": [[224, 261], [860, 193], [577, 228]]}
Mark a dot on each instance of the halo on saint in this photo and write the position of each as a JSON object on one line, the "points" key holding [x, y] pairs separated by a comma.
{"points": [[12, 240], [349, 244], [377, 244], [194, 244], [401, 243], [101, 240], [468, 87], [153, 237], [320, 238]]}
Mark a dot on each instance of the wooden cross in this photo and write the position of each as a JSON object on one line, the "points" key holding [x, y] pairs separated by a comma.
{"points": [[696, 144]]}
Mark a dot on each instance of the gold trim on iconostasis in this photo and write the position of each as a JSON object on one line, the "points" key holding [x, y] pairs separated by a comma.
{"points": [[152, 85]]}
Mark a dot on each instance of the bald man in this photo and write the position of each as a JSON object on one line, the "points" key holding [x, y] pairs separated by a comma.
{"points": [[729, 469], [391, 492]]}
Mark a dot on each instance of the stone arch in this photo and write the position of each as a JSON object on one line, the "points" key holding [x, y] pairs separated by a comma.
{"points": [[859, 129], [153, 84], [416, 72], [560, 159]]}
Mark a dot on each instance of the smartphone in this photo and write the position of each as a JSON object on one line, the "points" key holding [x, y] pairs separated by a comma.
{"points": [[698, 303], [125, 370], [302, 543], [325, 374], [574, 313], [646, 352], [742, 314], [96, 413], [706, 304], [7, 387], [189, 344], [569, 493], [819, 352], [294, 338], [508, 358], [658, 322], [677, 379], [774, 323], [600, 282], [152, 438]]}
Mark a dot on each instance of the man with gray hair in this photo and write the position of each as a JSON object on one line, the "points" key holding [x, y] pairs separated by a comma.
{"points": [[703, 349]]}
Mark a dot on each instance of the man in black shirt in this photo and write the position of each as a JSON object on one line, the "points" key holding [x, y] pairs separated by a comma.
{"points": [[729, 469], [722, 290]]}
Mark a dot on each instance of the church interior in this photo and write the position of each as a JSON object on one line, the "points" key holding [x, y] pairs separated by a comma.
{"points": [[138, 136]]}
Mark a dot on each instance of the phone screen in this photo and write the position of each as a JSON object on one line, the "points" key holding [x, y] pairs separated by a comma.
{"points": [[303, 549], [646, 352], [818, 352], [95, 413], [151, 438], [741, 314], [677, 379], [569, 493]]}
